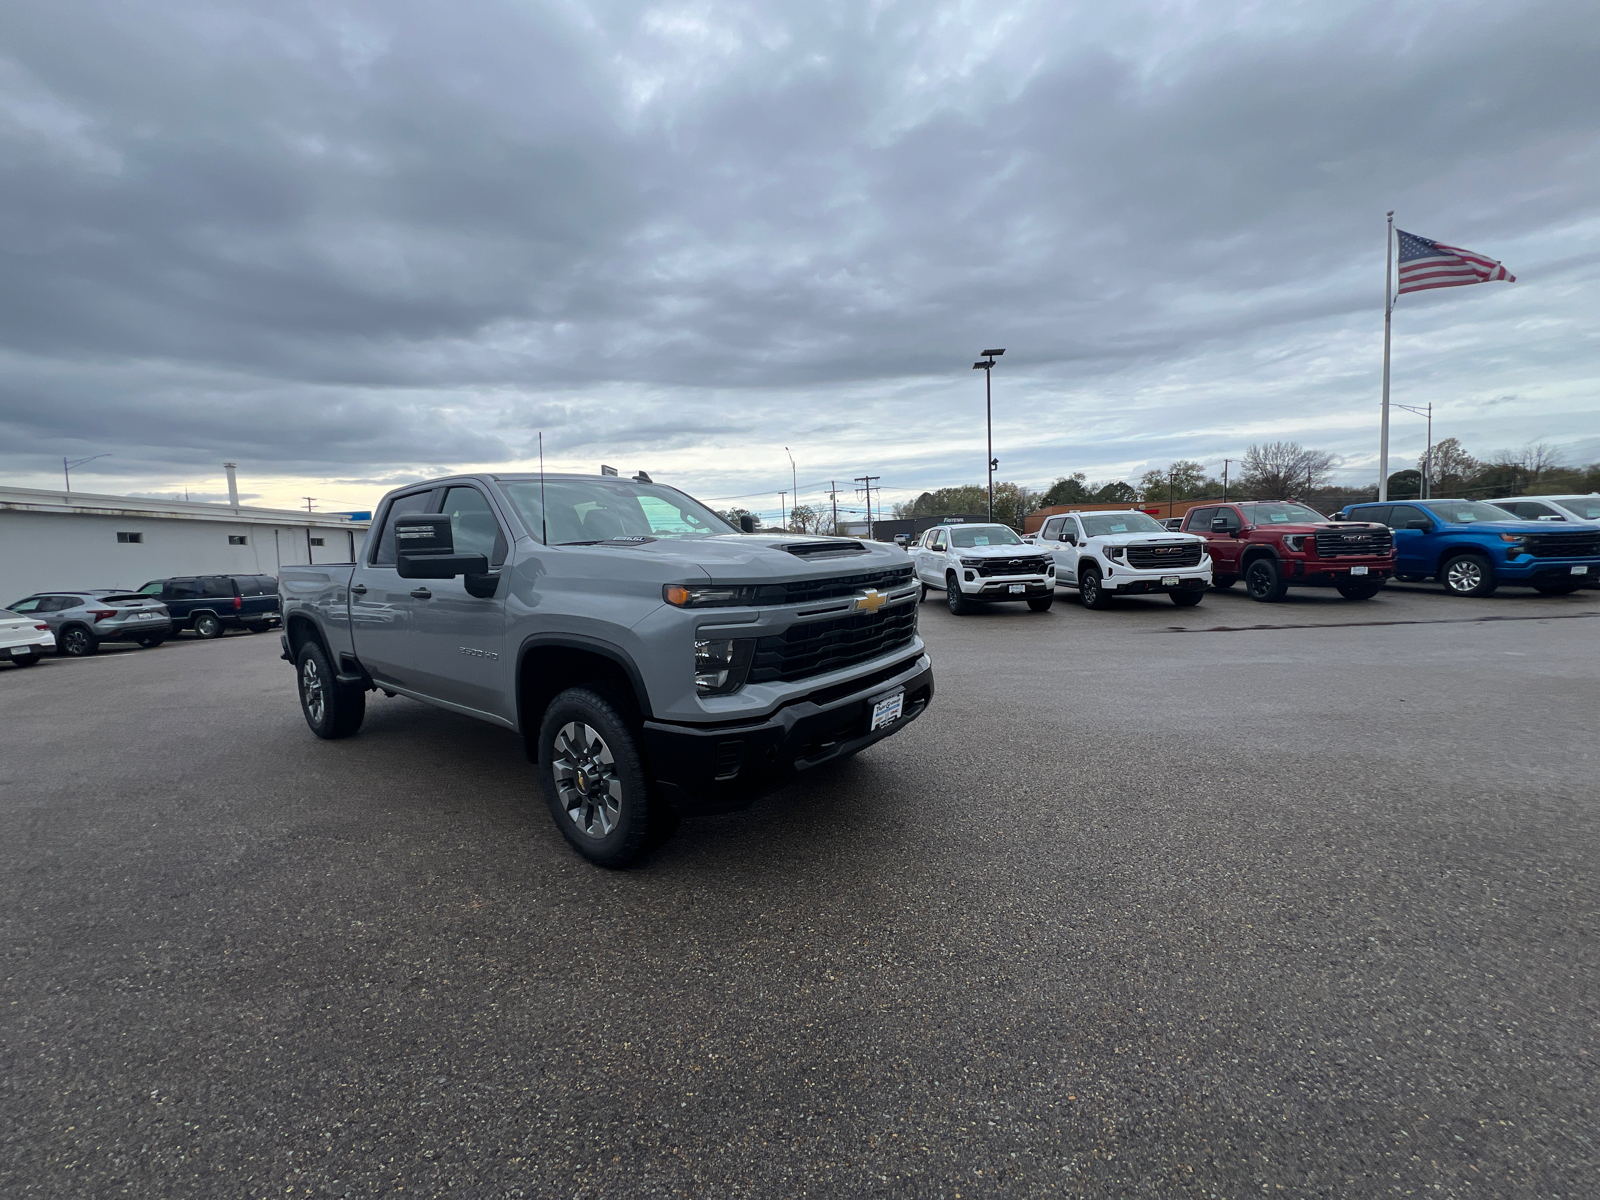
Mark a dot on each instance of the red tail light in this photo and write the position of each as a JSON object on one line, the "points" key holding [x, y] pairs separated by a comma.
{"points": [[103, 614], [238, 603], [46, 628]]}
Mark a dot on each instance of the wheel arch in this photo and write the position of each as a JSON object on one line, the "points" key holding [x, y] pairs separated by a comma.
{"points": [[548, 664], [1257, 552], [300, 629], [1472, 548]]}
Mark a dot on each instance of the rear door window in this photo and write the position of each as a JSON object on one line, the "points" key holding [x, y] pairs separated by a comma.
{"points": [[217, 587], [181, 589], [416, 502]]}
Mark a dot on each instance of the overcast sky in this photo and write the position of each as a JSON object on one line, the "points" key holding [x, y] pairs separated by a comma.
{"points": [[353, 244]]}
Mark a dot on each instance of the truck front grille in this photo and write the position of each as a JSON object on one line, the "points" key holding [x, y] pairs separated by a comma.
{"points": [[808, 590], [1154, 558], [1364, 542], [1031, 565], [1564, 545], [814, 647]]}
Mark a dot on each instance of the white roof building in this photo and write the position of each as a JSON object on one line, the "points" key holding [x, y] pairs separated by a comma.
{"points": [[52, 540]]}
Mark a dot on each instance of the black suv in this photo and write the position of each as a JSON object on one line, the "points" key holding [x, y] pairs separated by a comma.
{"points": [[210, 604]]}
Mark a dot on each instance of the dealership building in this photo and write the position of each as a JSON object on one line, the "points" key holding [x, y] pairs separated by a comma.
{"points": [[53, 540]]}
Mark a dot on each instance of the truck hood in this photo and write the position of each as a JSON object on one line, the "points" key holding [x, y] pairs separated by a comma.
{"points": [[764, 558], [1025, 550], [1319, 526], [1173, 538]]}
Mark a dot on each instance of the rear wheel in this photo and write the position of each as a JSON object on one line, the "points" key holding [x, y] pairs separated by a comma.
{"points": [[1468, 575], [27, 660], [154, 640], [1186, 599], [256, 627], [954, 598], [594, 781], [1094, 596], [207, 625], [1556, 589], [77, 642], [332, 710], [1359, 591], [1041, 603], [1264, 581]]}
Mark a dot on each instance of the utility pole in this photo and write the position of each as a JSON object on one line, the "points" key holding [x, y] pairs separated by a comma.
{"points": [[866, 482], [1225, 463], [783, 512], [793, 478], [833, 492], [308, 500]]}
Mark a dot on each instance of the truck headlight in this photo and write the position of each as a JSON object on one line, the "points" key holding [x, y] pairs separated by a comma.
{"points": [[1115, 551], [972, 562], [1296, 542], [1514, 543], [720, 665]]}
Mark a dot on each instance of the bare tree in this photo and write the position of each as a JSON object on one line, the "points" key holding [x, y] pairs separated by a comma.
{"points": [[1535, 459], [1285, 470]]}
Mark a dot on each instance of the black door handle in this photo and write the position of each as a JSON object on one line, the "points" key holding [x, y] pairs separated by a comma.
{"points": [[422, 593], [358, 589]]}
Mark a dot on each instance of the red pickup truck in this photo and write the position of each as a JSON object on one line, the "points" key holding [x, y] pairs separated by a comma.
{"points": [[1274, 545]]}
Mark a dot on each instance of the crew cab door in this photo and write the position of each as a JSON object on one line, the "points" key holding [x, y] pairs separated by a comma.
{"points": [[1067, 549], [1412, 546], [382, 607], [1051, 541], [459, 639], [931, 567], [1222, 540]]}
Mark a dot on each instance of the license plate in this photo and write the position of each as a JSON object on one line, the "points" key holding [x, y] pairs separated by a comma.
{"points": [[19, 652], [146, 616], [1580, 570], [1017, 589], [888, 710], [1169, 581], [1358, 570]]}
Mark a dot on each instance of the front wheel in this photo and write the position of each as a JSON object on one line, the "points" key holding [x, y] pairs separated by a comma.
{"points": [[332, 710], [954, 598], [1186, 599], [1041, 603], [1399, 578], [594, 780], [27, 660], [1468, 575], [1359, 591], [1264, 581], [77, 642], [1223, 582], [1089, 589], [922, 595], [207, 626]]}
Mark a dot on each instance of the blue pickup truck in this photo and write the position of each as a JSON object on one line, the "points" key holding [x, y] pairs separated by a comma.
{"points": [[212, 604], [1472, 547]]}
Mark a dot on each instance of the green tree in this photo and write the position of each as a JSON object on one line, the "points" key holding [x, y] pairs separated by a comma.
{"points": [[1067, 489], [1012, 503], [805, 519], [732, 515], [1183, 480], [1115, 492]]}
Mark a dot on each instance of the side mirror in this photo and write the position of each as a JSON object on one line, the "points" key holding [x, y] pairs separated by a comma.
{"points": [[747, 524], [1422, 525], [425, 549]]}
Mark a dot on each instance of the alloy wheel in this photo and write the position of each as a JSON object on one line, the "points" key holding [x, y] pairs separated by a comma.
{"points": [[585, 774], [75, 642], [1465, 575], [311, 690]]}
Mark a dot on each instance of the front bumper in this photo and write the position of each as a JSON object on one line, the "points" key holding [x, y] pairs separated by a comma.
{"points": [[724, 767], [1330, 571], [1531, 570], [1123, 582], [998, 587]]}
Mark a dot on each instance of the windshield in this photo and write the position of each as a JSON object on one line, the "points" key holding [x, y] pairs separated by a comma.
{"points": [[965, 537], [594, 510], [1102, 524], [1587, 507], [1463, 512], [1282, 513]]}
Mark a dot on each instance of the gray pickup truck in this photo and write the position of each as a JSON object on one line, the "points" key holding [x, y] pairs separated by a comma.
{"points": [[656, 660]]}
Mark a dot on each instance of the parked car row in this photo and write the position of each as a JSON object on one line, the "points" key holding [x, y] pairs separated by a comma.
{"points": [[1551, 544], [77, 622]]}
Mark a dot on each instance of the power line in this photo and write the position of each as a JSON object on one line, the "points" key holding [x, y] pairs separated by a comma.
{"points": [[866, 488]]}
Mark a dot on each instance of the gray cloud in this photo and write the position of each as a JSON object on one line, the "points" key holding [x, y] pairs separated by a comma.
{"points": [[361, 241]]}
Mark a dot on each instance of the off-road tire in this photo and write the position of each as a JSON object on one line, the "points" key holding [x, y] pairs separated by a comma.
{"points": [[642, 820], [1358, 591], [1556, 589], [1223, 582], [76, 641], [1264, 581], [1468, 575], [331, 709], [922, 595], [1187, 599], [955, 599], [1090, 591], [207, 626], [27, 660], [1041, 603]]}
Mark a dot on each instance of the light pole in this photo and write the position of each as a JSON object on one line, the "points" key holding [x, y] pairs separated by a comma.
{"points": [[793, 478], [66, 467], [987, 367], [1427, 459]]}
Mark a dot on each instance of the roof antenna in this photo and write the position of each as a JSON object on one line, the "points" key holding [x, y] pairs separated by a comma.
{"points": [[544, 521]]}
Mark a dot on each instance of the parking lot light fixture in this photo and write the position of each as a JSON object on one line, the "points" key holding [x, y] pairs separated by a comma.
{"points": [[987, 367]]}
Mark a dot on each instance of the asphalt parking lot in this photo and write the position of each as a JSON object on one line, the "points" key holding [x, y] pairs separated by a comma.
{"points": [[1238, 900]]}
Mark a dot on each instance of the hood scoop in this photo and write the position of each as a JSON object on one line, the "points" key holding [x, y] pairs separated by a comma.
{"points": [[823, 548]]}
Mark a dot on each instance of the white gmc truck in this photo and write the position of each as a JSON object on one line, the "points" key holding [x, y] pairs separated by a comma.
{"points": [[1109, 554]]}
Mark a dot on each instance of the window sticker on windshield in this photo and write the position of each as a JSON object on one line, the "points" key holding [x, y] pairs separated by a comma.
{"points": [[981, 540], [1463, 515], [1120, 527], [1279, 518]]}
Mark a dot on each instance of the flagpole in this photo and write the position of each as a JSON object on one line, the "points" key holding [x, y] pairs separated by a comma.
{"points": [[1388, 313]]}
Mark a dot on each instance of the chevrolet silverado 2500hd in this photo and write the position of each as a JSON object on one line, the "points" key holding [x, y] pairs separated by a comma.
{"points": [[655, 660]]}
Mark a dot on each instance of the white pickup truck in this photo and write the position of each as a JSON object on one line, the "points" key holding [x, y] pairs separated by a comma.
{"points": [[1108, 554]]}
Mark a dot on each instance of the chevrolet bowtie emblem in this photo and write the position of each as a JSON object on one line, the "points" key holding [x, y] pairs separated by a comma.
{"points": [[871, 600]]}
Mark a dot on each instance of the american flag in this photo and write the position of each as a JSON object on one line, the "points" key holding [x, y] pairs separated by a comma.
{"points": [[1425, 264]]}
